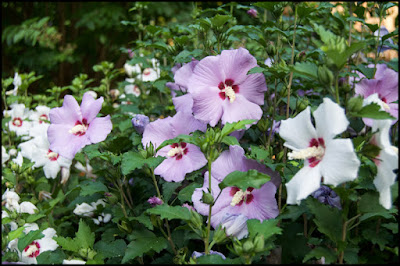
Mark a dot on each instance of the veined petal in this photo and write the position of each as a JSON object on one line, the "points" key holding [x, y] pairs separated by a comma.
{"points": [[65, 143], [240, 109], [157, 132], [253, 88], [207, 105], [183, 103], [207, 73], [236, 63], [305, 182], [185, 123], [330, 119], [298, 131], [90, 107], [227, 162], [183, 74], [385, 177], [99, 128], [68, 114], [340, 163]]}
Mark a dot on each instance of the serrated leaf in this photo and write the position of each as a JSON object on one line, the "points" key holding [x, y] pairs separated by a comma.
{"points": [[34, 217], [170, 212], [92, 187], [267, 228], [51, 257], [85, 237], [327, 218], [27, 239], [306, 68], [168, 188], [143, 242], [319, 252], [143, 219], [230, 140], [230, 127], [130, 161], [219, 20], [111, 249], [244, 180], [373, 111], [67, 243]]}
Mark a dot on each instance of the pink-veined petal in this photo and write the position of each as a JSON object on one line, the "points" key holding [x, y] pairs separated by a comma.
{"points": [[185, 123], [298, 131], [68, 114], [65, 143], [207, 106], [157, 132], [90, 107], [206, 74], [227, 162], [253, 88], [303, 183], [183, 103], [236, 63], [330, 119], [240, 109], [183, 74], [340, 163], [99, 128]]}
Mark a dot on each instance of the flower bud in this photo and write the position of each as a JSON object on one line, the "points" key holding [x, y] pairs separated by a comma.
{"points": [[263, 125], [154, 201], [355, 104], [302, 104], [111, 198], [259, 243], [300, 57], [207, 198], [196, 219], [271, 50], [325, 76], [235, 225], [14, 167], [248, 246], [237, 247], [219, 235]]}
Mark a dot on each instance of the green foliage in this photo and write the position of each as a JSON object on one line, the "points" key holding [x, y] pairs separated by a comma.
{"points": [[244, 180], [170, 212], [134, 160]]}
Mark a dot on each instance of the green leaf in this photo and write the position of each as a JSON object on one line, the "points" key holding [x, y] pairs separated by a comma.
{"points": [[143, 242], [306, 68], [67, 243], [124, 125], [216, 259], [369, 203], [168, 188], [27, 239], [51, 257], [134, 160], [185, 56], [267, 228], [92, 187], [160, 85], [230, 140], [15, 234], [256, 70], [373, 111], [85, 237], [381, 238], [219, 20], [327, 218], [230, 127], [111, 249], [319, 252], [143, 219], [34, 217], [186, 193], [170, 212], [244, 180]]}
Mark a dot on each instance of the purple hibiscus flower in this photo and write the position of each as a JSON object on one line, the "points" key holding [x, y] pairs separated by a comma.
{"points": [[221, 88], [386, 85], [140, 122], [73, 127], [181, 158], [327, 196], [252, 203], [154, 201], [252, 12]]}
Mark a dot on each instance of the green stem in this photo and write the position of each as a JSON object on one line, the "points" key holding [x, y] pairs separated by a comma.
{"points": [[337, 88], [377, 40], [291, 60], [273, 118], [206, 241]]}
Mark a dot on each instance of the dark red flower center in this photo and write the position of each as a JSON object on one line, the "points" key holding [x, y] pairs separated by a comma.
{"points": [[178, 150], [42, 118], [80, 128], [316, 143], [228, 89], [53, 156], [33, 249], [17, 122], [248, 197]]}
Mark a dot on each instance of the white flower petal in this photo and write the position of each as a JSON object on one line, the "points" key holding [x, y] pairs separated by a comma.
{"points": [[298, 131], [305, 182], [27, 207], [47, 243], [330, 119], [340, 163]]}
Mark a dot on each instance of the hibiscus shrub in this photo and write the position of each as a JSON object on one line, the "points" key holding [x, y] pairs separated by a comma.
{"points": [[256, 133]]}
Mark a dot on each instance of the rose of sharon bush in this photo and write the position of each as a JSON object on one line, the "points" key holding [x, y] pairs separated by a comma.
{"points": [[222, 90], [73, 126]]}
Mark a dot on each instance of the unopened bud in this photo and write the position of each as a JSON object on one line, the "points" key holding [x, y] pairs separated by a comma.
{"points": [[271, 50], [325, 76], [259, 243], [207, 198], [300, 57], [355, 104], [219, 235], [302, 104], [248, 246]]}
